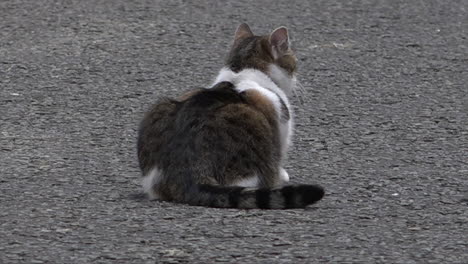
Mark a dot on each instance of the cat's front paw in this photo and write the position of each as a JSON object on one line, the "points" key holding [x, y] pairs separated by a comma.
{"points": [[284, 176]]}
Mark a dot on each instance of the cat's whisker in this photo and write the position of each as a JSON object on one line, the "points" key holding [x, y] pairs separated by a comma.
{"points": [[301, 87], [298, 96], [300, 92]]}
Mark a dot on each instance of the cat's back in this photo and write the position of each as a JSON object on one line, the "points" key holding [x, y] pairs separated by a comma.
{"points": [[211, 121], [224, 111]]}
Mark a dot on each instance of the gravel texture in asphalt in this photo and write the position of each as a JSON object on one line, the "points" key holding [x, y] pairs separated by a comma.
{"points": [[382, 124]]}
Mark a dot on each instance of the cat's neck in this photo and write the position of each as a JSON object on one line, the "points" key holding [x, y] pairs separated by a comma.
{"points": [[251, 75]]}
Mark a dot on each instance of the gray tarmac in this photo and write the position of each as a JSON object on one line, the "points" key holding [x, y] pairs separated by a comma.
{"points": [[382, 124]]}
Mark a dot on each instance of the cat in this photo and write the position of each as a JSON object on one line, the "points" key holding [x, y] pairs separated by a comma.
{"points": [[224, 146]]}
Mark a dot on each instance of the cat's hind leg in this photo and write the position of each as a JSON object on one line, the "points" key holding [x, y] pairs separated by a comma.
{"points": [[150, 181], [248, 182]]}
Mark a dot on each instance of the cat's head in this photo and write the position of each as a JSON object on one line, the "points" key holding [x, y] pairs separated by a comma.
{"points": [[270, 54]]}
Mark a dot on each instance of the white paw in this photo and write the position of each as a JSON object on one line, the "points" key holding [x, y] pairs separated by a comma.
{"points": [[284, 176]]}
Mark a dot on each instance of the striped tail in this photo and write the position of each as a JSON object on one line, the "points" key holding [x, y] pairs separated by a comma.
{"points": [[291, 196]]}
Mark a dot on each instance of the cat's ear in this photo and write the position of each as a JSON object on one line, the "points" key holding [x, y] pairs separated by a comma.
{"points": [[279, 41], [243, 31]]}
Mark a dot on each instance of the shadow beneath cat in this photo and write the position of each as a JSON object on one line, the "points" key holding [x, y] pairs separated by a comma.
{"points": [[138, 196]]}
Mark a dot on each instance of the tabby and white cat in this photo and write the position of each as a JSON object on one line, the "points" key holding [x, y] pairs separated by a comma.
{"points": [[224, 146]]}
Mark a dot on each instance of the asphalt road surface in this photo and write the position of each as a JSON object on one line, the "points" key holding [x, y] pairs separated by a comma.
{"points": [[382, 125]]}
